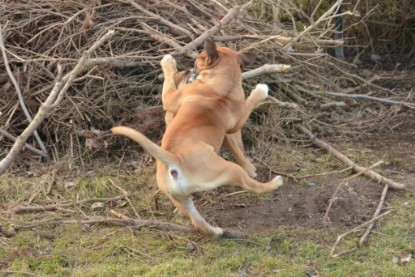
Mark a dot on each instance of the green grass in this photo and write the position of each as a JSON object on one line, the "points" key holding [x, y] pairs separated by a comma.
{"points": [[108, 251], [99, 250]]}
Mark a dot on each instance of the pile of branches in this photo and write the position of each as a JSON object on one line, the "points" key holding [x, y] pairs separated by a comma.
{"points": [[122, 78]]}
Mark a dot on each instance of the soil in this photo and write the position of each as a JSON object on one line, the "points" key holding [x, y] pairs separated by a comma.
{"points": [[304, 205]]}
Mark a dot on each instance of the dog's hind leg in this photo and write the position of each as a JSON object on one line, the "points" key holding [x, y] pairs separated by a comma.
{"points": [[235, 145], [229, 173], [186, 206]]}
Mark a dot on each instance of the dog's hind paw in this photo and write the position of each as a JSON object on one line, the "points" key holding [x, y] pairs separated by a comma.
{"points": [[277, 181], [263, 88], [217, 232], [168, 60]]}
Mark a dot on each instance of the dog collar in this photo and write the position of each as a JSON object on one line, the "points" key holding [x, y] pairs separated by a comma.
{"points": [[193, 74]]}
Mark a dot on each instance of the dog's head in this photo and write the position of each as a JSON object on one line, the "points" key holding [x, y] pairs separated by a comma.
{"points": [[212, 55]]}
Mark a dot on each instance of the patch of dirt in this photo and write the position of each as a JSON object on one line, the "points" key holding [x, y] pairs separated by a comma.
{"points": [[304, 205]]}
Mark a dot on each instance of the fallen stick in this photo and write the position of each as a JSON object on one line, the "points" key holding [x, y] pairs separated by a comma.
{"points": [[356, 168], [54, 207], [363, 239], [126, 197], [340, 237], [345, 182]]}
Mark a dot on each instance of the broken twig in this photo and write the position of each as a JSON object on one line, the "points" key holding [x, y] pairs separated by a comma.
{"points": [[340, 237], [363, 239]]}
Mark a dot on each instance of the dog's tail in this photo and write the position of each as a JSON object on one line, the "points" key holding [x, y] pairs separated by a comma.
{"points": [[153, 149]]}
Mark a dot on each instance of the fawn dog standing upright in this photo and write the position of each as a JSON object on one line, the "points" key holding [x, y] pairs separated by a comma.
{"points": [[199, 115]]}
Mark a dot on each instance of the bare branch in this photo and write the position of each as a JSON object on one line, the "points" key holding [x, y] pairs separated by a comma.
{"points": [[265, 69], [53, 100], [19, 95], [28, 146]]}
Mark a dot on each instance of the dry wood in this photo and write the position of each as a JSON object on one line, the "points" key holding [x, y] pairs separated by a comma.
{"points": [[53, 100], [20, 96], [370, 173], [28, 146], [344, 182], [340, 237], [324, 17], [180, 30], [372, 98], [265, 69], [126, 197], [283, 104], [191, 47], [363, 239]]}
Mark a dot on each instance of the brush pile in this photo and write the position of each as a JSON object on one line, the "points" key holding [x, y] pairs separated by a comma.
{"points": [[123, 79]]}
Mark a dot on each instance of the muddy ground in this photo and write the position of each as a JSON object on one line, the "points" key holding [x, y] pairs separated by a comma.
{"points": [[305, 202]]}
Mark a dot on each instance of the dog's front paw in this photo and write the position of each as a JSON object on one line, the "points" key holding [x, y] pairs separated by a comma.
{"points": [[249, 168], [168, 62], [263, 88]]}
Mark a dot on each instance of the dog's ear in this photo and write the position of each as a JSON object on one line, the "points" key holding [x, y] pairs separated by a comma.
{"points": [[211, 51], [248, 58]]}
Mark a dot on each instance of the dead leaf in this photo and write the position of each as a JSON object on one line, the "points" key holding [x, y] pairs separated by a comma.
{"points": [[70, 184], [406, 259], [395, 260], [97, 206]]}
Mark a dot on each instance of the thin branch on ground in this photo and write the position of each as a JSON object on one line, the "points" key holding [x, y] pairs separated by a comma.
{"points": [[344, 182], [340, 237], [369, 173], [126, 197], [363, 239]]}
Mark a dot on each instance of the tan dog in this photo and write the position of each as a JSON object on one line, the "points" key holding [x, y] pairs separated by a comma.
{"points": [[201, 114], [233, 141]]}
